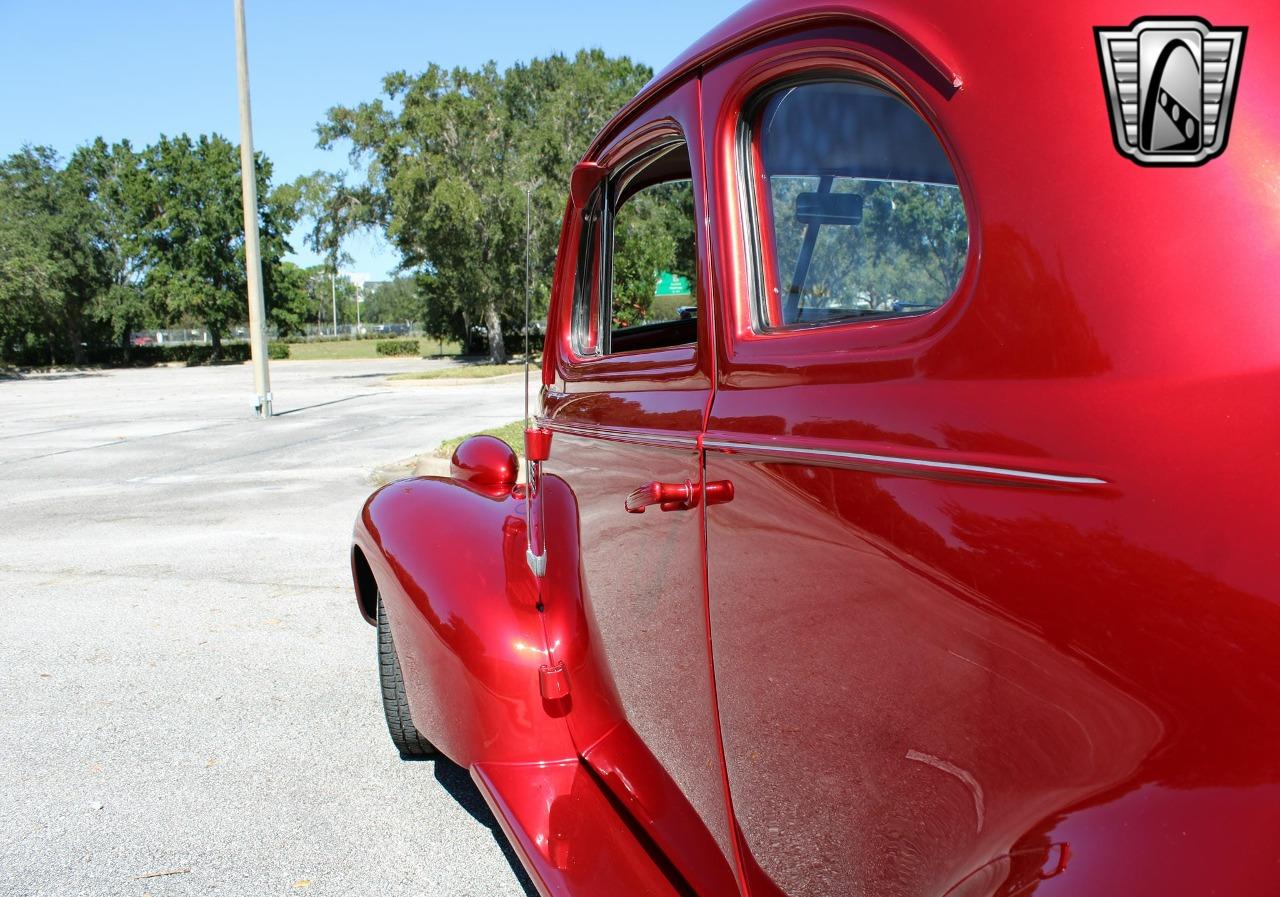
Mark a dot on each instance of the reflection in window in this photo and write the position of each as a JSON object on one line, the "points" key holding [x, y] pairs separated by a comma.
{"points": [[861, 212]]}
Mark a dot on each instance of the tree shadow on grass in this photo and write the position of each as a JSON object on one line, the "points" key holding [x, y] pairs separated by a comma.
{"points": [[457, 781]]}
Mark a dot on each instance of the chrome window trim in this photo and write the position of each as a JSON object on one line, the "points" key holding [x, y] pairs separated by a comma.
{"points": [[917, 464], [861, 460], [620, 434]]}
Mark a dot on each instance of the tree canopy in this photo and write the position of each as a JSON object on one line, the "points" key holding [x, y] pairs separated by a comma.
{"points": [[447, 165], [192, 232], [118, 239], [453, 157], [57, 252]]}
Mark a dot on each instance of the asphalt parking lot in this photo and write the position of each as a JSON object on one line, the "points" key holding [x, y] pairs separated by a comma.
{"points": [[188, 696]]}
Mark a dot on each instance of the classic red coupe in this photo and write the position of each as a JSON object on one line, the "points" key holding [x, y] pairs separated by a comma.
{"points": [[936, 550]]}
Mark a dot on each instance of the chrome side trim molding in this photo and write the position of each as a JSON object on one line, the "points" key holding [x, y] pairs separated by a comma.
{"points": [[862, 459], [619, 434]]}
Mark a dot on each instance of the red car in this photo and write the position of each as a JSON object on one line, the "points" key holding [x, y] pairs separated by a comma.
{"points": [[937, 553]]}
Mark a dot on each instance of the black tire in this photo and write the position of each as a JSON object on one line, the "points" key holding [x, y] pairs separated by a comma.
{"points": [[407, 739]]}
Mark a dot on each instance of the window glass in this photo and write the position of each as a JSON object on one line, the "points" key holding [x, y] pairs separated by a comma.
{"points": [[586, 296], [654, 269], [647, 213], [856, 204]]}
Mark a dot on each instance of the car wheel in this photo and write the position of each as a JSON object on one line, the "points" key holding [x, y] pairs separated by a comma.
{"points": [[404, 735]]}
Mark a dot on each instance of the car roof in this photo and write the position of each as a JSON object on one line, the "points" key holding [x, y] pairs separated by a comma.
{"points": [[913, 21]]}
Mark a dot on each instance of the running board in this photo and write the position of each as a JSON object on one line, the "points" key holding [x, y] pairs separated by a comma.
{"points": [[564, 828]]}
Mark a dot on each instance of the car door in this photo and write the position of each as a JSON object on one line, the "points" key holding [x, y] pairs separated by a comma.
{"points": [[894, 719], [626, 404]]}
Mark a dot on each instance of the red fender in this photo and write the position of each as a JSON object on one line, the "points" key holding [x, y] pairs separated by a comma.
{"points": [[448, 559]]}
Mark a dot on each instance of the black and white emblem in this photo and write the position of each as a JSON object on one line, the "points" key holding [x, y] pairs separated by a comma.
{"points": [[1170, 84]]}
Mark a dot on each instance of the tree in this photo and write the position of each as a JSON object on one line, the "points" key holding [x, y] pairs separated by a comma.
{"points": [[450, 156], [327, 296], [335, 212], [558, 105], [444, 168], [117, 239], [394, 301], [28, 294], [193, 230], [292, 300], [112, 178], [56, 251]]}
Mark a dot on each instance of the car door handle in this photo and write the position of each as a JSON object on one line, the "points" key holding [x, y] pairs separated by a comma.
{"points": [[670, 496], [678, 496]]}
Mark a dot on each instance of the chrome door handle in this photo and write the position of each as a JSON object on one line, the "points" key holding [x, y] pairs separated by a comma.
{"points": [[678, 496]]}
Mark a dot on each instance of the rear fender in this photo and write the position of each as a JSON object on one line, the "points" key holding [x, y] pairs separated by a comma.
{"points": [[448, 559]]}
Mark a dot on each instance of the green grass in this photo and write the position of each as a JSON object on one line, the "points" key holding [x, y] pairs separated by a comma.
{"points": [[512, 434], [463, 371], [432, 347], [663, 308], [334, 349], [329, 350]]}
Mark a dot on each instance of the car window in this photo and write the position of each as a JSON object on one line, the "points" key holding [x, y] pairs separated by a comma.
{"points": [[585, 332], [645, 215], [853, 205]]}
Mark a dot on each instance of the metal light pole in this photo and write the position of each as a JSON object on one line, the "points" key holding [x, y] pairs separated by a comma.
{"points": [[252, 256], [333, 296]]}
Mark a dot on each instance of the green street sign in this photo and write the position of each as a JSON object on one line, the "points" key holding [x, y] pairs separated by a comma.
{"points": [[672, 285]]}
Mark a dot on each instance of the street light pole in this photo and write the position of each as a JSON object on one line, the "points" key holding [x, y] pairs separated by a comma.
{"points": [[252, 256], [333, 296]]}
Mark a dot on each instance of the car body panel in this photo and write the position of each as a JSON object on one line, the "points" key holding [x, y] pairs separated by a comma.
{"points": [[449, 562], [993, 609], [566, 831], [1002, 555]]}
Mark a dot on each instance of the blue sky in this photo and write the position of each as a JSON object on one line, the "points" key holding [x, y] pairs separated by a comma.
{"points": [[139, 68]]}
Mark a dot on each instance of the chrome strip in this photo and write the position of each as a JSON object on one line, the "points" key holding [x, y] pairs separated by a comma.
{"points": [[952, 466], [619, 434]]}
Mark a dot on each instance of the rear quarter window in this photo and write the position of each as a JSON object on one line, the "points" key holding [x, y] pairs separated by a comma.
{"points": [[854, 209]]}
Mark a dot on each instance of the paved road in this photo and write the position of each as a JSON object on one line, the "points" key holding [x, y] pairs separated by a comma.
{"points": [[185, 683]]}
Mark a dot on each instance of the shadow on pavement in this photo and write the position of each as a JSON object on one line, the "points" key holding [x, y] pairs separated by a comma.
{"points": [[77, 374], [362, 395], [457, 781]]}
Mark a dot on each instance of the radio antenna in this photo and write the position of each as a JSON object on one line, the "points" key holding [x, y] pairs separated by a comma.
{"points": [[532, 469], [529, 476], [528, 229]]}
